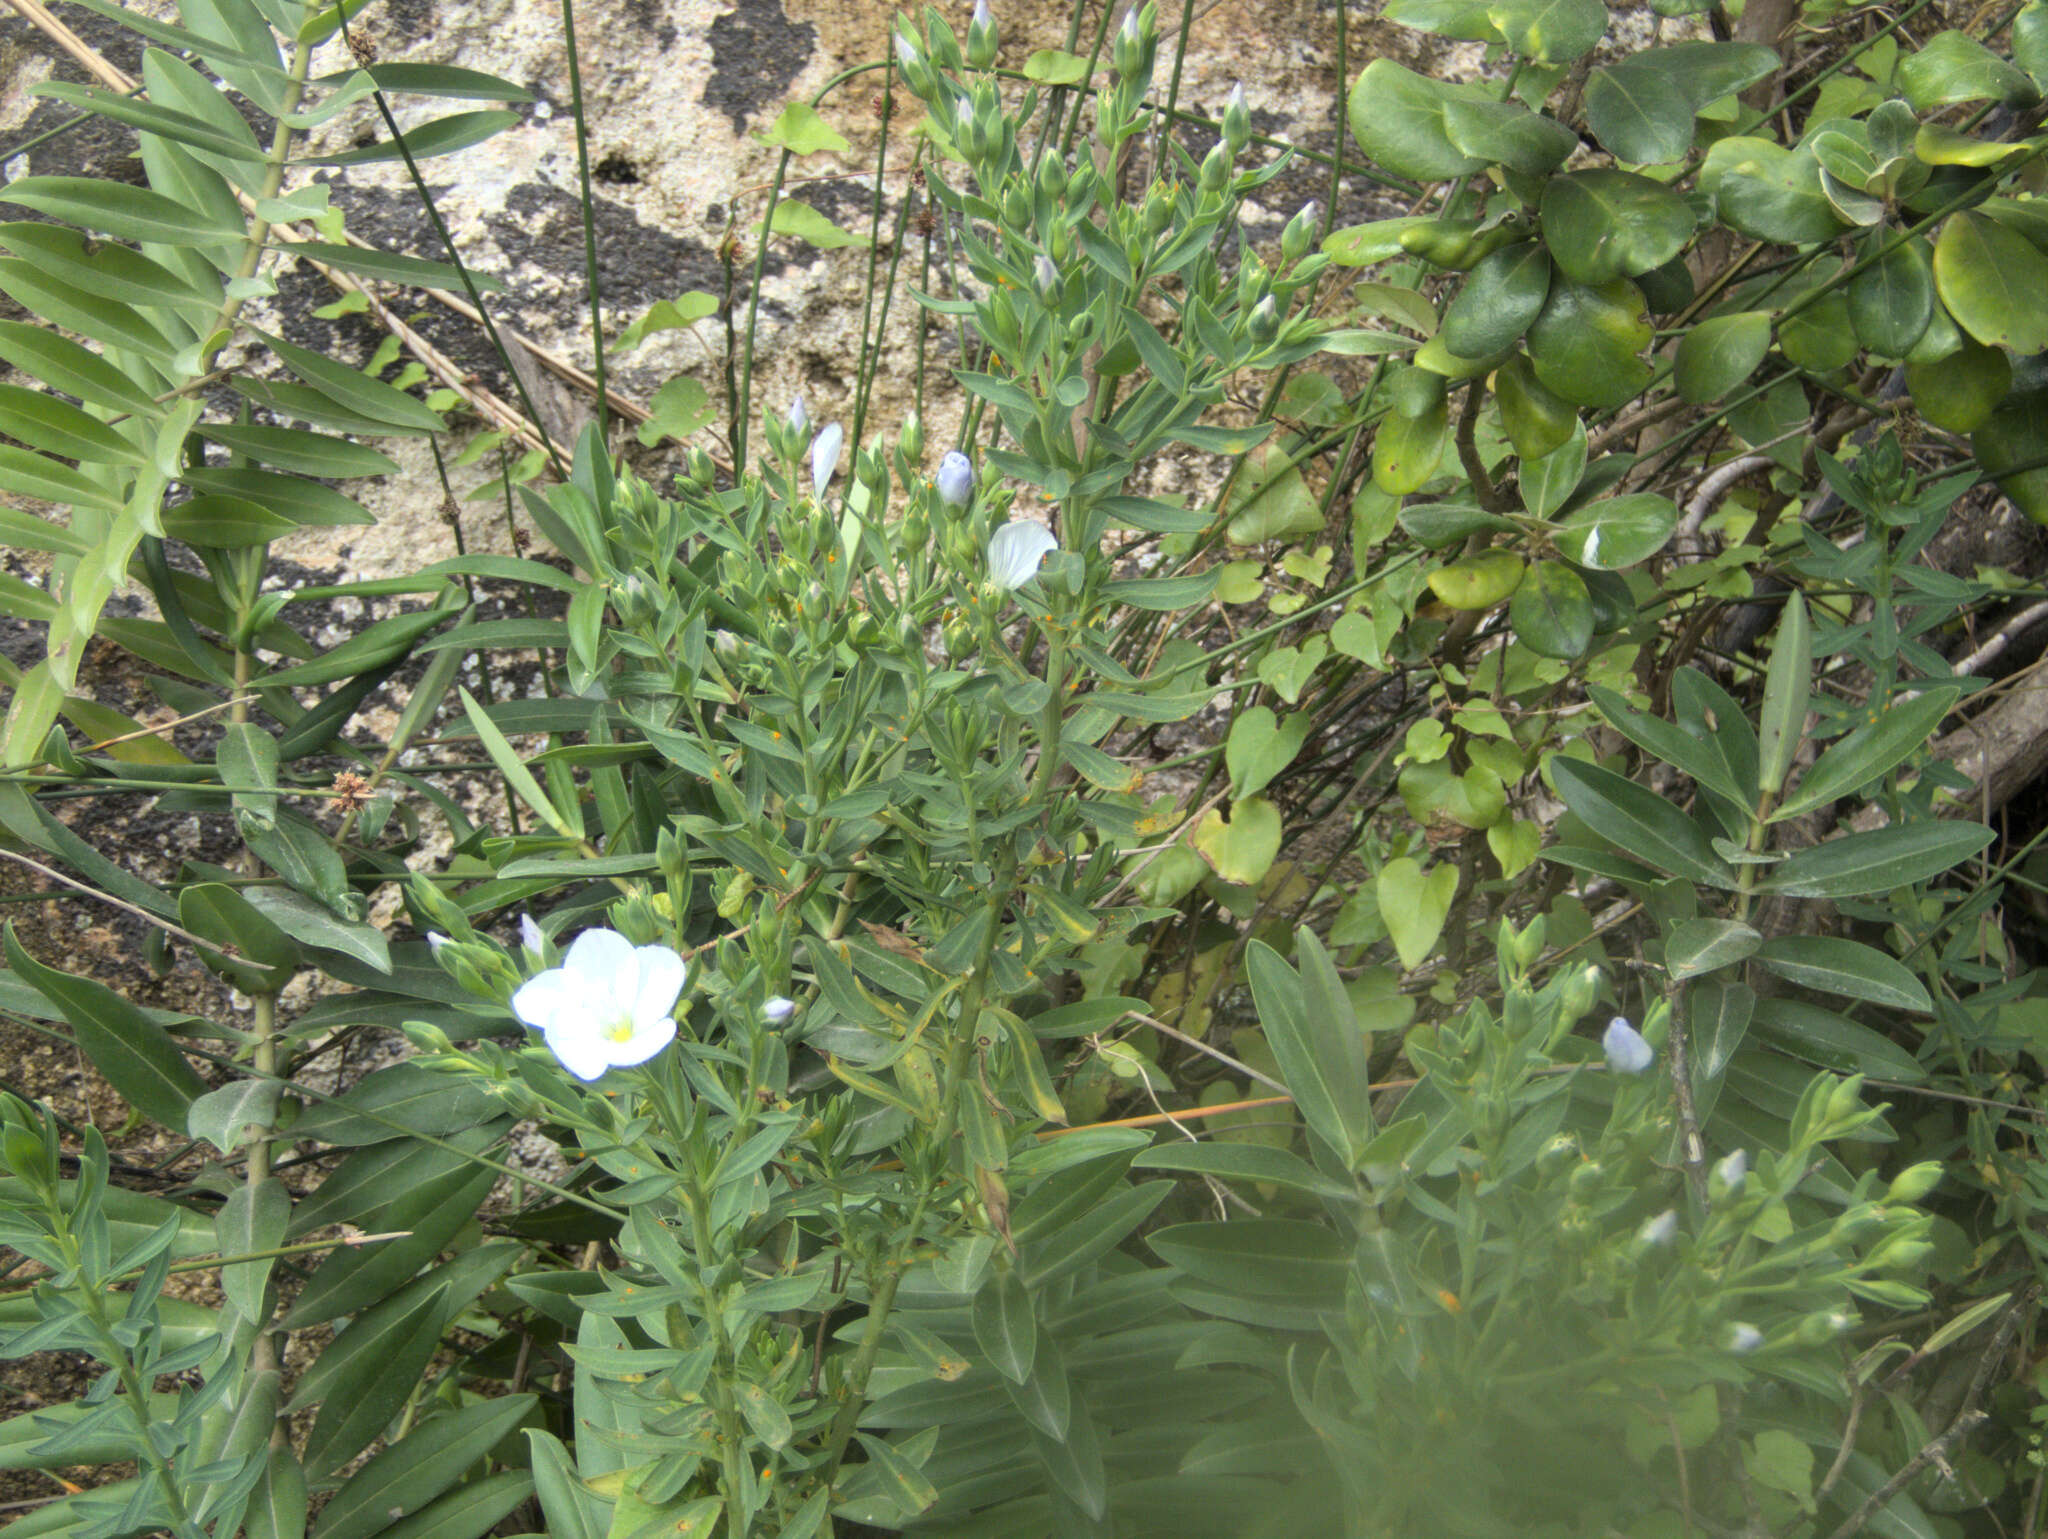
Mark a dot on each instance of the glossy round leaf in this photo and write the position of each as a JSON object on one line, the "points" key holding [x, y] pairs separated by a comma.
{"points": [[1954, 67], [1939, 146], [1550, 31], [1770, 193], [1548, 481], [1943, 338], [1892, 300], [1397, 116], [1552, 612], [1407, 450], [1535, 420], [1438, 357], [1618, 532], [1993, 280], [1847, 161], [1667, 289], [1641, 108], [1440, 525], [1820, 337], [1602, 225], [1464, 20], [1720, 353], [2012, 437], [1587, 343], [1501, 296], [1477, 582], [1958, 393], [1510, 135]]}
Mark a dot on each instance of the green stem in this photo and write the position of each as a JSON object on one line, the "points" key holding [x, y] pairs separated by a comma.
{"points": [[959, 1056]]}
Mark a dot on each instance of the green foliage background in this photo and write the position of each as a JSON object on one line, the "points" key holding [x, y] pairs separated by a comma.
{"points": [[1232, 1142]]}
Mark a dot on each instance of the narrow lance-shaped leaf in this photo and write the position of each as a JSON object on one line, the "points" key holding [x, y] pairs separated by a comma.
{"points": [[1787, 686]]}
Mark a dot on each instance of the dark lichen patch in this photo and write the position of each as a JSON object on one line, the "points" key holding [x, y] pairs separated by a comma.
{"points": [[648, 14], [541, 230], [616, 169], [756, 51]]}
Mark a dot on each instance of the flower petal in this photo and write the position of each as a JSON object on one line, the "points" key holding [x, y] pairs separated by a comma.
{"points": [[581, 1049], [548, 997], [661, 975], [642, 1045], [599, 954], [1015, 551]]}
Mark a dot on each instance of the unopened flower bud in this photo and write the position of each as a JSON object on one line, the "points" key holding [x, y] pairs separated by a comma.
{"points": [[1627, 1052], [1661, 1230], [778, 1010], [1744, 1338], [1914, 1182], [955, 480], [530, 936], [981, 37], [1237, 120], [1263, 325], [911, 439], [1052, 177], [427, 1037], [435, 941], [1215, 172], [1731, 1173], [1300, 233], [1047, 278]]}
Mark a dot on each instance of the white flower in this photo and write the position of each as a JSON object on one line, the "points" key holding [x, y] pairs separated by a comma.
{"points": [[1660, 1230], [1015, 551], [825, 458], [530, 936], [955, 479], [778, 1010], [1627, 1052], [607, 1006], [1744, 1338]]}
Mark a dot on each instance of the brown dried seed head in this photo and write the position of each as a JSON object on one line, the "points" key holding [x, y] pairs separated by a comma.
{"points": [[351, 791]]}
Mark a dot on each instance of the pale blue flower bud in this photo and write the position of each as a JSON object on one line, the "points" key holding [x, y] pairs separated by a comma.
{"points": [[1744, 1338], [906, 52], [798, 420], [1627, 1052], [955, 479], [981, 37], [530, 936], [435, 941], [1015, 551], [1661, 1230], [1046, 276], [778, 1010], [825, 458]]}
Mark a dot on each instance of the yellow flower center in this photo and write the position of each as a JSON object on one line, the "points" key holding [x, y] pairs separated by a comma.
{"points": [[621, 1029]]}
